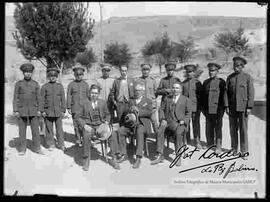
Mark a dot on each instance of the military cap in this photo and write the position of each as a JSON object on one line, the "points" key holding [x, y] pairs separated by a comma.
{"points": [[240, 58], [213, 66], [78, 68], [170, 65], [27, 67], [105, 66], [190, 67], [146, 66]]}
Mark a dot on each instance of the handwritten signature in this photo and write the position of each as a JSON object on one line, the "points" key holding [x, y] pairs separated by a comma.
{"points": [[213, 167]]}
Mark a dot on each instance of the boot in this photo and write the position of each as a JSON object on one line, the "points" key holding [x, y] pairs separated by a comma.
{"points": [[137, 163], [122, 158], [86, 161], [114, 164], [159, 159]]}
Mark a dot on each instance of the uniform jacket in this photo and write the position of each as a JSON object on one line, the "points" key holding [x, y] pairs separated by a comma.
{"points": [[192, 88], [116, 86], [182, 109], [215, 95], [106, 86], [77, 93], [166, 83], [150, 89], [84, 116], [53, 100], [240, 91], [145, 110], [26, 98]]}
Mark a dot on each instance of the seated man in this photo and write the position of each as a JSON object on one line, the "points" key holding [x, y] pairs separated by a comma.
{"points": [[174, 116], [142, 107], [94, 115]]}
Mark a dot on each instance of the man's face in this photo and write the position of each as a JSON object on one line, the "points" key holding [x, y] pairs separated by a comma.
{"points": [[177, 89], [213, 73], [238, 66], [53, 78], [169, 72], [145, 72], [123, 71], [94, 94], [78, 76], [105, 73], [27, 75], [139, 91], [190, 74]]}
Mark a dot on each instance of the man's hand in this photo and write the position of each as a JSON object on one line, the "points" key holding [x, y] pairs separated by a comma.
{"points": [[163, 123], [248, 111], [69, 111], [43, 114], [16, 114], [182, 122], [39, 113], [87, 128], [134, 108], [227, 111]]}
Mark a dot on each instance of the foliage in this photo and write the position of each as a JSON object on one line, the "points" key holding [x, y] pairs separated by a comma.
{"points": [[52, 31], [86, 58], [117, 54]]}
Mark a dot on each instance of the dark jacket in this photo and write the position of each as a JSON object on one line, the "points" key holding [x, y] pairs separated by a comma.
{"points": [[240, 91], [84, 116], [53, 100], [116, 86], [26, 98], [77, 93], [215, 95], [192, 88], [182, 109]]}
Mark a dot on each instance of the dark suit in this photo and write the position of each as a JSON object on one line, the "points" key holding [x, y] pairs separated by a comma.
{"points": [[143, 127], [86, 116], [192, 88], [121, 105], [173, 113], [53, 103], [26, 101], [240, 91], [215, 97]]}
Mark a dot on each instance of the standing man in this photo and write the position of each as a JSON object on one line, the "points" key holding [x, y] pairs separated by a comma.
{"points": [[53, 108], [166, 83], [174, 116], [240, 91], [121, 92], [150, 92], [26, 107], [142, 107], [106, 82], [77, 94], [215, 97], [192, 88], [94, 116]]}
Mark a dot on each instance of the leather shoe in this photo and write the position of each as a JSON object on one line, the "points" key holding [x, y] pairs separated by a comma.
{"points": [[51, 148], [137, 163], [159, 159], [21, 153], [122, 158], [114, 164], [86, 164], [41, 152]]}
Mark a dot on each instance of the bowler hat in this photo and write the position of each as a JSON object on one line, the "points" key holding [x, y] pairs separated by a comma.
{"points": [[27, 67], [104, 131], [213, 66], [241, 59]]}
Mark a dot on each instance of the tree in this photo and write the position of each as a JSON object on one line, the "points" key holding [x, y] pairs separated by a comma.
{"points": [[117, 54], [86, 58], [232, 42], [161, 48], [184, 50], [52, 32]]}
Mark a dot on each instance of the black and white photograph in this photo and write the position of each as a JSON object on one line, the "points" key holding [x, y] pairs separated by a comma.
{"points": [[135, 99]]}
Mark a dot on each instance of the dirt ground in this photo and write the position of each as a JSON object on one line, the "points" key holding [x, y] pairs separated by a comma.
{"points": [[61, 173]]}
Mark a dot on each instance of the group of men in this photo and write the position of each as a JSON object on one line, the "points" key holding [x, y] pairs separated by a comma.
{"points": [[132, 102]]}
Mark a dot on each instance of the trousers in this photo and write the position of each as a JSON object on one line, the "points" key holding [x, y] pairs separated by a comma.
{"points": [[59, 131]]}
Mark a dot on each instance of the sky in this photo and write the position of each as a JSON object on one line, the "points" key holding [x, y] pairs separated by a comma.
{"points": [[126, 9]]}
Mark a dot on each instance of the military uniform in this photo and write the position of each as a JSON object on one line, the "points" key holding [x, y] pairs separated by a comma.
{"points": [[192, 88], [215, 99], [26, 103], [53, 103], [77, 94], [240, 91], [165, 85]]}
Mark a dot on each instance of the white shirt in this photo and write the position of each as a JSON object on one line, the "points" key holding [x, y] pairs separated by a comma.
{"points": [[175, 99]]}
